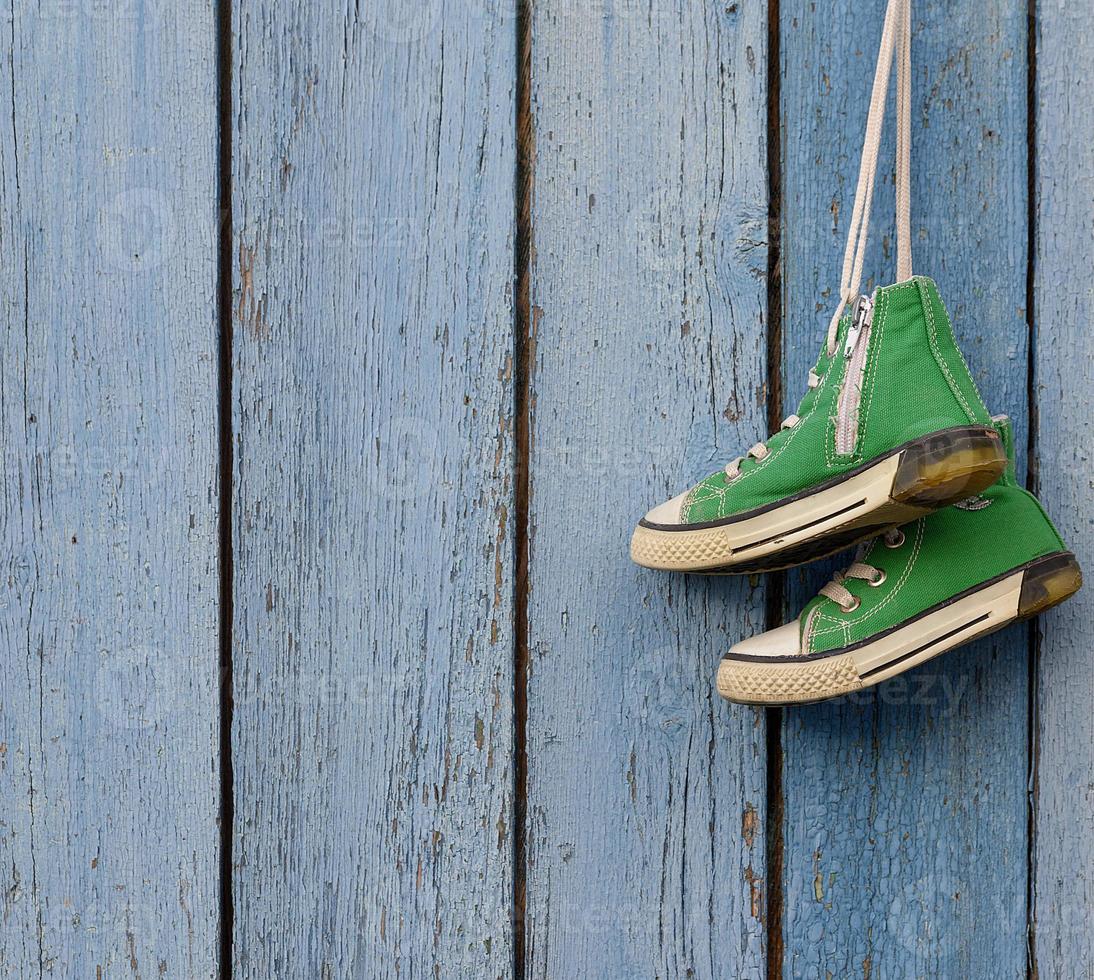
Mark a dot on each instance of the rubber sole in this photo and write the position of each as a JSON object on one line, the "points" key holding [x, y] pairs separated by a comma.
{"points": [[913, 480], [1019, 594]]}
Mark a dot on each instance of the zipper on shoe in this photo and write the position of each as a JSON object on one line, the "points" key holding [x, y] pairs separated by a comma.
{"points": [[858, 342], [862, 317]]}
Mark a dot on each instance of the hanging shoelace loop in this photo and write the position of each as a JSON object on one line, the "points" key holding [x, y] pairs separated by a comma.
{"points": [[896, 36]]}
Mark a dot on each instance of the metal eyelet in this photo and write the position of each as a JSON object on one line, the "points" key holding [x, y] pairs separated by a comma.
{"points": [[896, 542], [855, 603], [880, 580]]}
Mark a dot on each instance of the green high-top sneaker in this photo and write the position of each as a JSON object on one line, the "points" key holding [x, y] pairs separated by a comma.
{"points": [[892, 427], [912, 594]]}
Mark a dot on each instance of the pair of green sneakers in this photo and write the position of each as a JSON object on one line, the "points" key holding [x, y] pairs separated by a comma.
{"points": [[892, 445]]}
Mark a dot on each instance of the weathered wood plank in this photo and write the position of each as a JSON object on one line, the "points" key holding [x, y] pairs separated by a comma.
{"points": [[372, 743], [649, 224], [905, 848], [108, 632], [1064, 378]]}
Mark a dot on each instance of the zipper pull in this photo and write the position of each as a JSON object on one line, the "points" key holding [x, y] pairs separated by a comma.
{"points": [[864, 313]]}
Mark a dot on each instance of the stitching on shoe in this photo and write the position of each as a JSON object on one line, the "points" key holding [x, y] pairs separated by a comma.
{"points": [[786, 445], [871, 364], [965, 364], [932, 338], [807, 631], [685, 508], [871, 367], [694, 497], [836, 627], [830, 443], [840, 623]]}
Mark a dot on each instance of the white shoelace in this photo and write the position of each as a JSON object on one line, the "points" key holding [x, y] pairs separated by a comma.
{"points": [[760, 450], [863, 571], [896, 34]]}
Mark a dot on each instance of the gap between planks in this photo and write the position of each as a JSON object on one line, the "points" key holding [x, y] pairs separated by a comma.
{"points": [[776, 591], [225, 466], [1032, 481], [523, 361]]}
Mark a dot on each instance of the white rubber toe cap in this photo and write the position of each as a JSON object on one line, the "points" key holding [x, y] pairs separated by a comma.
{"points": [[782, 642], [669, 511]]}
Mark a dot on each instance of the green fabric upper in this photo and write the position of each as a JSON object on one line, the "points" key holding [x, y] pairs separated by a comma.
{"points": [[915, 383], [943, 554]]}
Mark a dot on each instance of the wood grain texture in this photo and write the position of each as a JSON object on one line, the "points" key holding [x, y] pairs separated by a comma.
{"points": [[1063, 379], [649, 224], [372, 742], [906, 818], [108, 631]]}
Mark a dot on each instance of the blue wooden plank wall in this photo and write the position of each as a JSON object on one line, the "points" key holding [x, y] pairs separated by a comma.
{"points": [[108, 600], [1063, 731], [906, 813], [372, 406], [645, 827], [500, 275]]}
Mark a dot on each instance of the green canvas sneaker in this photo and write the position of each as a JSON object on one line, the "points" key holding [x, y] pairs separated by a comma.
{"points": [[891, 428], [910, 595]]}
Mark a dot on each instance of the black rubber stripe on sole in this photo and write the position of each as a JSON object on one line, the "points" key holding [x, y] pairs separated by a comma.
{"points": [[818, 487], [825, 654], [926, 646], [802, 527]]}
